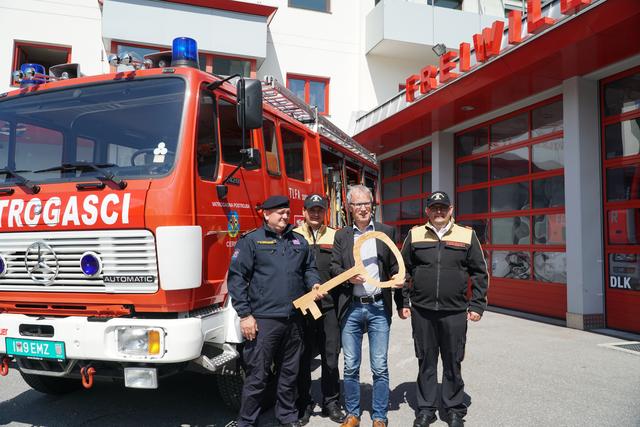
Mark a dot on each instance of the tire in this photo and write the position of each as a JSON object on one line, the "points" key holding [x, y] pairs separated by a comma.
{"points": [[51, 385], [230, 388]]}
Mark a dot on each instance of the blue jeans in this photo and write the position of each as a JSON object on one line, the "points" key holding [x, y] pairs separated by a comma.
{"points": [[374, 318]]}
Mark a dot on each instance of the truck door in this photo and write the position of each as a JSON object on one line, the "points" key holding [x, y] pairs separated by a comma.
{"points": [[304, 176], [218, 143]]}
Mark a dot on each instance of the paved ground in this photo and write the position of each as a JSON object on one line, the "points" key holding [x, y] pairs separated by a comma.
{"points": [[518, 373]]}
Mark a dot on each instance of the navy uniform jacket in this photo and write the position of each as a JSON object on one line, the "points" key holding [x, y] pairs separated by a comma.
{"points": [[267, 273]]}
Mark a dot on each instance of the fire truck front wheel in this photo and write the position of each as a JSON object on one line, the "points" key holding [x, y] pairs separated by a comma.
{"points": [[51, 385]]}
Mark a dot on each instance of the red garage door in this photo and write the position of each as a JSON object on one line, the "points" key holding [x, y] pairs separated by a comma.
{"points": [[620, 103], [510, 189]]}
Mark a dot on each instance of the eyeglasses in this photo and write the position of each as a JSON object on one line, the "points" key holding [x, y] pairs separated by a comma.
{"points": [[361, 205]]}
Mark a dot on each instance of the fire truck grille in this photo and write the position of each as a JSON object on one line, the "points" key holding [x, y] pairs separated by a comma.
{"points": [[50, 261]]}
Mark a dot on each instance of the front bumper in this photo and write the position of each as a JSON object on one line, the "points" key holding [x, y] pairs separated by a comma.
{"points": [[96, 340]]}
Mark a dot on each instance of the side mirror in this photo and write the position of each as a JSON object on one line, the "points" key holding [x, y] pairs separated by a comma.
{"points": [[252, 159], [249, 93]]}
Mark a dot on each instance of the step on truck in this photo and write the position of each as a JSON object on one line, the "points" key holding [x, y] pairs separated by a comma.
{"points": [[122, 197]]}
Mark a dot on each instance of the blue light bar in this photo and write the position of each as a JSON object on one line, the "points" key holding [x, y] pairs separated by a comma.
{"points": [[184, 52], [33, 74]]}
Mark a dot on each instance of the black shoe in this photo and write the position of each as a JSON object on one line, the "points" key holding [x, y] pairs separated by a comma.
{"points": [[334, 412], [456, 420], [293, 424], [305, 414], [424, 420]]}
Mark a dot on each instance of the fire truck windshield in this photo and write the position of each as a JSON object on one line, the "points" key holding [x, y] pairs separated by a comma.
{"points": [[129, 129]]}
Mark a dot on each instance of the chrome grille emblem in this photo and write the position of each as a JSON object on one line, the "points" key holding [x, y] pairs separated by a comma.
{"points": [[41, 263]]}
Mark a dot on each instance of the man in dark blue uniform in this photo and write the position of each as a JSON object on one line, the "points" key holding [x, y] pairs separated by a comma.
{"points": [[270, 267]]}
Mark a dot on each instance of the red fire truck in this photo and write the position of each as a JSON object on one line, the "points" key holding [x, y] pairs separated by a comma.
{"points": [[123, 197]]}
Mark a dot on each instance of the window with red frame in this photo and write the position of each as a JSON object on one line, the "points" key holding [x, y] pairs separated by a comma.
{"points": [[46, 55], [406, 183], [216, 64], [510, 190], [620, 121], [312, 90]]}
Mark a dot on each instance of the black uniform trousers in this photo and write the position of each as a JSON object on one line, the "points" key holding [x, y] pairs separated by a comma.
{"points": [[323, 333], [278, 341], [444, 333]]}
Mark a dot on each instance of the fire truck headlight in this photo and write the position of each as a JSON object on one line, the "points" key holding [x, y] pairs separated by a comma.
{"points": [[141, 378], [3, 266], [184, 49], [90, 264], [140, 341]]}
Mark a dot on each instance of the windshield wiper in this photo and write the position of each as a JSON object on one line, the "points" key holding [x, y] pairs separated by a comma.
{"points": [[88, 166], [20, 180]]}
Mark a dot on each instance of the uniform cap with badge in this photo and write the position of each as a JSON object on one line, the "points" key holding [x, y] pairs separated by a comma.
{"points": [[275, 202], [438, 198], [314, 200]]}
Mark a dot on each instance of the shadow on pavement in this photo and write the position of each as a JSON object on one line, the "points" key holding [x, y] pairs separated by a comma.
{"points": [[188, 400]]}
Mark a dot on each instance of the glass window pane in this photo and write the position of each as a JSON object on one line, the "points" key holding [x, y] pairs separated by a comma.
{"points": [[320, 5], [5, 132], [391, 167], [37, 148], [510, 131], [510, 231], [390, 212], [549, 229], [623, 183], [473, 172], [550, 267], [227, 66], [480, 226], [426, 156], [271, 147], [85, 150], [546, 119], [411, 209], [294, 152], [622, 139], [511, 264], [426, 182], [411, 161], [624, 271], [316, 95], [470, 202], [624, 226], [622, 95], [510, 197], [411, 185], [473, 142], [297, 87], [548, 155], [207, 141], [509, 164], [390, 190], [548, 192]]}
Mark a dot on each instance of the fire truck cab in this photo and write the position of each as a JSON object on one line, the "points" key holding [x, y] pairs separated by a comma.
{"points": [[123, 197]]}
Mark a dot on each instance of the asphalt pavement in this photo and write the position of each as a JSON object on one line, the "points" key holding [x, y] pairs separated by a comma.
{"points": [[518, 372]]}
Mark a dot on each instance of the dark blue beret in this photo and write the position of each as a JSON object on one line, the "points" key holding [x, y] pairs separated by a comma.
{"points": [[275, 202]]}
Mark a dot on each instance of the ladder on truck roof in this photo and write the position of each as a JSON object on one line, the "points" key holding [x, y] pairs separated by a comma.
{"points": [[281, 98]]}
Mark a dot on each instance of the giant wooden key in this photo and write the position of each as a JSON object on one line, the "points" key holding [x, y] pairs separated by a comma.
{"points": [[306, 303]]}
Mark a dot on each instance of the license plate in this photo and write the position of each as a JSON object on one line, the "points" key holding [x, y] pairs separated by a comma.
{"points": [[37, 349]]}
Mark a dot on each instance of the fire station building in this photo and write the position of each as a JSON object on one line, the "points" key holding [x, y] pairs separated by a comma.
{"points": [[536, 132]]}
